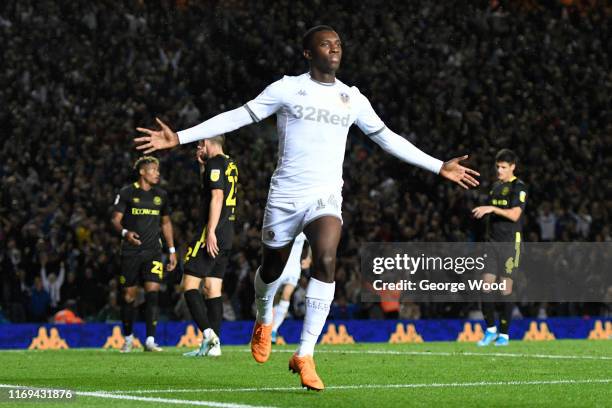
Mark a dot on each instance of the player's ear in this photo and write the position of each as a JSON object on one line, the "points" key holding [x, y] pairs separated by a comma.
{"points": [[307, 54]]}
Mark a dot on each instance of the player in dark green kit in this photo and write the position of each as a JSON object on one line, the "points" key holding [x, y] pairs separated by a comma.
{"points": [[141, 211], [207, 258], [507, 201]]}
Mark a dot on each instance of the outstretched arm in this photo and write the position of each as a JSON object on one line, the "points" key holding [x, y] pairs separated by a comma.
{"points": [[264, 105], [166, 138], [401, 148]]}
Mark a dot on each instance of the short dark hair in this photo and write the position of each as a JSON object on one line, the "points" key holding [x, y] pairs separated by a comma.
{"points": [[506, 155], [144, 160], [307, 38]]}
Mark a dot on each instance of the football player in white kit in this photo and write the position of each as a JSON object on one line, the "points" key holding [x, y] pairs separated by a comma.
{"points": [[314, 112], [288, 281]]}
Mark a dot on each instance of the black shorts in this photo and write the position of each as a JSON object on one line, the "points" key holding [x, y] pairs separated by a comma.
{"points": [[201, 265], [504, 258], [141, 266]]}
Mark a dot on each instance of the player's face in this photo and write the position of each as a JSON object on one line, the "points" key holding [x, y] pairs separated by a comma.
{"points": [[326, 51], [201, 151], [150, 173], [505, 171]]}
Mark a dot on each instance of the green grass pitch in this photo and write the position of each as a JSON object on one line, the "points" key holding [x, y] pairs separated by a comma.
{"points": [[559, 373]]}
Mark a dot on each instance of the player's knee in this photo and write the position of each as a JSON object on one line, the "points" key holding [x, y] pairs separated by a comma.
{"points": [[325, 265]]}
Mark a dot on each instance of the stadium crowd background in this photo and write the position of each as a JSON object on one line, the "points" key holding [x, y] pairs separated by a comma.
{"points": [[453, 77]]}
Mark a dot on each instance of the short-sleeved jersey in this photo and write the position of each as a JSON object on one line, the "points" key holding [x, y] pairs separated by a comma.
{"points": [[142, 211], [221, 172], [313, 119], [506, 195]]}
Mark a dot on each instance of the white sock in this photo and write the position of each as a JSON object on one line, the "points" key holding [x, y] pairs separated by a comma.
{"points": [[150, 340], [129, 339], [319, 296], [504, 336], [209, 333], [492, 329], [264, 299], [280, 311]]}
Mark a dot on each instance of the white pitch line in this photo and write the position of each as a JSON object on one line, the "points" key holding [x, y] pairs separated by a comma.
{"points": [[107, 395], [370, 386], [450, 354], [393, 352]]}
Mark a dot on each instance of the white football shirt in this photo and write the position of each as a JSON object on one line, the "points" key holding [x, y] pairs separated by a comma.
{"points": [[313, 119]]}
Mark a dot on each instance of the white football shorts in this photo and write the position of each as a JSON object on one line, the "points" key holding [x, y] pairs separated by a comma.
{"points": [[284, 220]]}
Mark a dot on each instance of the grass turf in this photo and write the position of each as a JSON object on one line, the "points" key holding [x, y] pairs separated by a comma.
{"points": [[361, 375]]}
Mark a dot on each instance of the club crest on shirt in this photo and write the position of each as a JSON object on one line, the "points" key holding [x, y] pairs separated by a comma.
{"points": [[157, 200], [505, 191], [136, 200], [345, 98], [214, 174]]}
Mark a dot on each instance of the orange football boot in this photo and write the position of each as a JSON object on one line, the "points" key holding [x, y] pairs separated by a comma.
{"points": [[261, 342], [305, 367]]}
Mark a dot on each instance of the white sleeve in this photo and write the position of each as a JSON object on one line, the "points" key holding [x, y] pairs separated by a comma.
{"points": [[369, 122], [264, 105], [401, 148], [267, 102], [222, 123]]}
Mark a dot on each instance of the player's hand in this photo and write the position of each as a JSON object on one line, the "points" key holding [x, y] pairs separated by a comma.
{"points": [[172, 263], [481, 211], [461, 175], [132, 238], [165, 138], [200, 154], [211, 244]]}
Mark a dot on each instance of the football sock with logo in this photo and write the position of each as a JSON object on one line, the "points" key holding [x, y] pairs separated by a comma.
{"points": [[151, 312], [195, 303], [319, 296], [214, 308], [264, 298]]}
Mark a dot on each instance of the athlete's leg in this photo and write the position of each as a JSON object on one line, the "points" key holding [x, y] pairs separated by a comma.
{"points": [[128, 311], [151, 313], [488, 311], [323, 235], [267, 281], [214, 302], [195, 302], [506, 316]]}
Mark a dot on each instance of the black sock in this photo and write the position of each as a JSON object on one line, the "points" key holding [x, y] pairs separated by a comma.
{"points": [[214, 307], [506, 317], [127, 315], [151, 312], [195, 303]]}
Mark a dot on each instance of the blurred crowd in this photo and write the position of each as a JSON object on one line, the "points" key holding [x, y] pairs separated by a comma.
{"points": [[452, 77]]}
